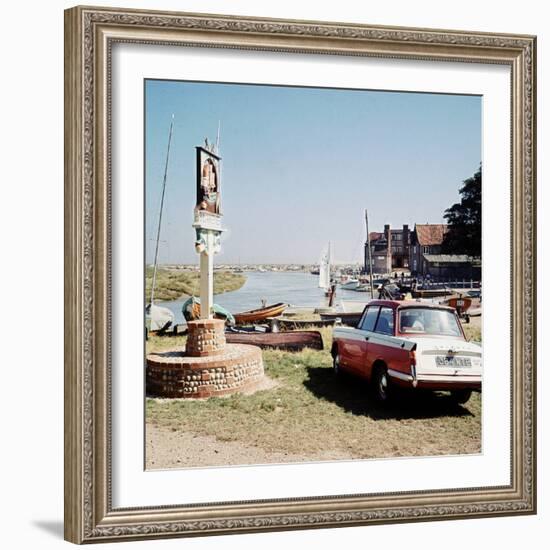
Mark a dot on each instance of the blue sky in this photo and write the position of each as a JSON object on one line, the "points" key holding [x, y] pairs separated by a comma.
{"points": [[300, 165]]}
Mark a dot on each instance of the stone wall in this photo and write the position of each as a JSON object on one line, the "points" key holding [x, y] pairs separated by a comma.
{"points": [[234, 368]]}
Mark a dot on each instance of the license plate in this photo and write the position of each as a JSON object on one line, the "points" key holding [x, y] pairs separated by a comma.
{"points": [[445, 361]]}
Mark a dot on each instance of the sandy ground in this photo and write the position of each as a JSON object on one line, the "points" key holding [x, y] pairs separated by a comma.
{"points": [[167, 448], [170, 449]]}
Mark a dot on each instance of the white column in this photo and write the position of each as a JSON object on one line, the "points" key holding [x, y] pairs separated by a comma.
{"points": [[207, 277]]}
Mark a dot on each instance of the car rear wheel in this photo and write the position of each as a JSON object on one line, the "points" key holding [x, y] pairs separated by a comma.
{"points": [[336, 364], [381, 385], [461, 396]]}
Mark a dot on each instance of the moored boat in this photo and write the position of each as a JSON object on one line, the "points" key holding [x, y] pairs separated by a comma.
{"points": [[350, 284], [260, 314]]}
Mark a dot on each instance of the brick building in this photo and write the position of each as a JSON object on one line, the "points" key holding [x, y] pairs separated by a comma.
{"points": [[426, 258], [426, 239], [390, 250]]}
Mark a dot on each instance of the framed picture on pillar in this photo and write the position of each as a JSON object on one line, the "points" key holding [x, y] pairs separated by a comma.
{"points": [[288, 301]]}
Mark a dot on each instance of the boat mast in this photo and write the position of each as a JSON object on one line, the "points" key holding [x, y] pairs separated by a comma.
{"points": [[370, 254], [153, 282], [329, 262]]}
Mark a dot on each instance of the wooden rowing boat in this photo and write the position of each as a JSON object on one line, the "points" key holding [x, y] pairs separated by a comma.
{"points": [[260, 314], [290, 341]]}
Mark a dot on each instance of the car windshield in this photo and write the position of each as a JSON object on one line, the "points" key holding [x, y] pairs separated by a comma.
{"points": [[431, 321]]}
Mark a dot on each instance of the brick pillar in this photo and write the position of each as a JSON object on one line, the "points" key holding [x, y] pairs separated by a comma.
{"points": [[205, 337]]}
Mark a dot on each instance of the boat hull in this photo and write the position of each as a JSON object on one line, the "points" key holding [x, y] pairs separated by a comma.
{"points": [[350, 319], [289, 341], [261, 314]]}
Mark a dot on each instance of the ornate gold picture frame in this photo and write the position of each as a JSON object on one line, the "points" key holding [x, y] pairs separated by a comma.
{"points": [[90, 34]]}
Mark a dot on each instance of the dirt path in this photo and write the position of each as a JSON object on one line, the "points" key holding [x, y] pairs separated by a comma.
{"points": [[173, 449]]}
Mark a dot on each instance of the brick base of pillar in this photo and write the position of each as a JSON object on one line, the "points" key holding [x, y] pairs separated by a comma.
{"points": [[205, 337], [236, 367]]}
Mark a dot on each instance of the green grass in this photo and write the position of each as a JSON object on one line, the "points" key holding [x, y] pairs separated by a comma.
{"points": [[172, 284], [310, 411], [472, 330]]}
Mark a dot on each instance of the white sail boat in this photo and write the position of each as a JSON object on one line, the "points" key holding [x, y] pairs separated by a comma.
{"points": [[324, 269], [157, 317]]}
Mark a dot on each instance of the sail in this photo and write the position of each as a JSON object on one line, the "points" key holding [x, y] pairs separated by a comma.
{"points": [[324, 269]]}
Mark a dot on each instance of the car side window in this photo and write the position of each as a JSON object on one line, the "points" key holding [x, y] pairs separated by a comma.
{"points": [[369, 319], [384, 325]]}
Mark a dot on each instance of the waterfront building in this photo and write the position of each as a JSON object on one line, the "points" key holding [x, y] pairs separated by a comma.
{"points": [[390, 250]]}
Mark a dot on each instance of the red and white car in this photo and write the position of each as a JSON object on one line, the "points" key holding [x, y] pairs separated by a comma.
{"points": [[409, 344]]}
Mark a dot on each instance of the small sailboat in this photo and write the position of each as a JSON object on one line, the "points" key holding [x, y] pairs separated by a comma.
{"points": [[324, 270], [157, 318]]}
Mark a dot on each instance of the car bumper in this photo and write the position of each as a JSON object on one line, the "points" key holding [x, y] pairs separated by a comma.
{"points": [[436, 382]]}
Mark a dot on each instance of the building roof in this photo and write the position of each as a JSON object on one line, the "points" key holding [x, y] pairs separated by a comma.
{"points": [[374, 236], [448, 258], [430, 234]]}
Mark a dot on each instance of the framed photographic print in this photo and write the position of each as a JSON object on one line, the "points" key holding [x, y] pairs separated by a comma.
{"points": [[300, 274]]}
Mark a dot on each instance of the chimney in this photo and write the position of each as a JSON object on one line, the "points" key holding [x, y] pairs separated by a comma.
{"points": [[387, 233]]}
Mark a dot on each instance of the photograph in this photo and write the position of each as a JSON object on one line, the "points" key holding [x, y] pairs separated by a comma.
{"points": [[312, 285], [300, 272]]}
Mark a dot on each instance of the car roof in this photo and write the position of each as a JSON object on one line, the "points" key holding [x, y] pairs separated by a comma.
{"points": [[403, 304]]}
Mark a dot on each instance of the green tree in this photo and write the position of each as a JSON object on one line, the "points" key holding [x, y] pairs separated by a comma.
{"points": [[464, 220]]}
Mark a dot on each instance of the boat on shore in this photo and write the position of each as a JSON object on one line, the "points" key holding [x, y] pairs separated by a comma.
{"points": [[289, 341], [431, 293], [293, 324], [350, 319], [158, 318], [191, 310], [260, 314]]}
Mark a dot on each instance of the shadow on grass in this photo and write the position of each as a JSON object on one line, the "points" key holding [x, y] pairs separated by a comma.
{"points": [[353, 395]]}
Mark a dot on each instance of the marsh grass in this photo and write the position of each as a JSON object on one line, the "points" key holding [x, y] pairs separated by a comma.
{"points": [[172, 284]]}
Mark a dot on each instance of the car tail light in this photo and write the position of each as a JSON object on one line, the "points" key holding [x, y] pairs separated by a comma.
{"points": [[412, 363]]}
